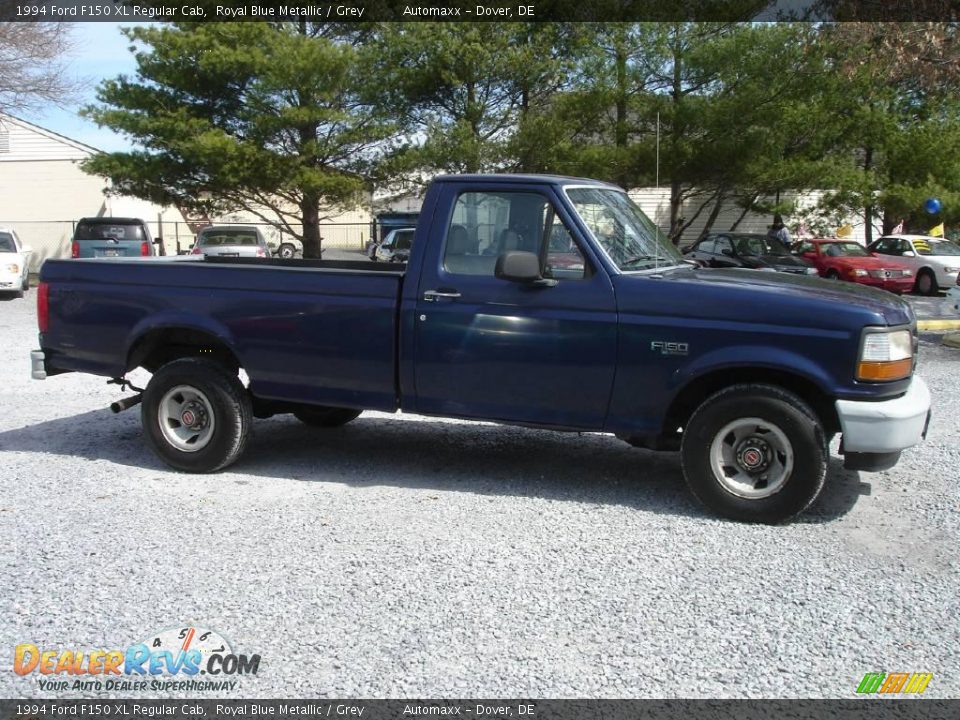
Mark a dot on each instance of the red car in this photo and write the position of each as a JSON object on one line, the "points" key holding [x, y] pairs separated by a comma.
{"points": [[848, 260]]}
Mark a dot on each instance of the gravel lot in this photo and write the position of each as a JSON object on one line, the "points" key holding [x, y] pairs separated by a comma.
{"points": [[409, 556]]}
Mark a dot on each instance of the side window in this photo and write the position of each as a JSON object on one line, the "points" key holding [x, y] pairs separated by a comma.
{"points": [[485, 225], [807, 247], [707, 246], [723, 246]]}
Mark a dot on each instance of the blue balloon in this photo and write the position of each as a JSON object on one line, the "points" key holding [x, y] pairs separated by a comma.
{"points": [[932, 206]]}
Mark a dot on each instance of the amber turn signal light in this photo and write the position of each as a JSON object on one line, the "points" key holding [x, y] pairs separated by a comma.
{"points": [[890, 370]]}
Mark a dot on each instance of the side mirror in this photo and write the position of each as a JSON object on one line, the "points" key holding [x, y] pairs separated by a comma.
{"points": [[518, 266], [521, 266], [727, 251], [26, 249], [909, 253]]}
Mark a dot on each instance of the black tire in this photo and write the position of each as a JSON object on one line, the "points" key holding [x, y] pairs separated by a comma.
{"points": [[926, 283], [832, 275], [227, 403], [328, 417], [797, 424], [287, 251], [26, 282]]}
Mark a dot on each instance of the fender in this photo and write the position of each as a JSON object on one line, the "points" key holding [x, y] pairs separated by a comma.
{"points": [[753, 356]]}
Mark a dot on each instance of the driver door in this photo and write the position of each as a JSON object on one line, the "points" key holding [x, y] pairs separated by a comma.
{"points": [[501, 350]]}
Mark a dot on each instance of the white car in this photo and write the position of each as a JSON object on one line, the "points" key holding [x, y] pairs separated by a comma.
{"points": [[14, 264], [935, 261]]}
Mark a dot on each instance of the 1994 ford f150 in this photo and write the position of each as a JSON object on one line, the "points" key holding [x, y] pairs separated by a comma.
{"points": [[533, 300]]}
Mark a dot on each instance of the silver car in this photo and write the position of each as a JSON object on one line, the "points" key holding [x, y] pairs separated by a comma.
{"points": [[231, 241], [935, 261]]}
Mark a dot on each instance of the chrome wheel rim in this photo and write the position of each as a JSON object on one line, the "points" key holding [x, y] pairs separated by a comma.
{"points": [[751, 458], [186, 418]]}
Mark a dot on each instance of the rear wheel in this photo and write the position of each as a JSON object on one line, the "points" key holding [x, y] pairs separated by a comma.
{"points": [[926, 283], [754, 453], [832, 275], [196, 415], [320, 416], [287, 251]]}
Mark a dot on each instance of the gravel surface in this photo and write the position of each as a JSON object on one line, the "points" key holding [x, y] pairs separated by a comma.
{"points": [[409, 556]]}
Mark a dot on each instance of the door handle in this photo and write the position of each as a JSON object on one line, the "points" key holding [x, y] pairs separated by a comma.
{"points": [[443, 294]]}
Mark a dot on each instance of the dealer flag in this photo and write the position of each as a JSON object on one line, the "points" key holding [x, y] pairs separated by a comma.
{"points": [[936, 231]]}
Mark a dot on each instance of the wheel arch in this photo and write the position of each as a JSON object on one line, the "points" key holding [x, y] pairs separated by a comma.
{"points": [[157, 344], [701, 387]]}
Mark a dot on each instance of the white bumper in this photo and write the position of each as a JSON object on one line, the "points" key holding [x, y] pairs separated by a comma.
{"points": [[10, 281], [953, 297], [886, 426]]}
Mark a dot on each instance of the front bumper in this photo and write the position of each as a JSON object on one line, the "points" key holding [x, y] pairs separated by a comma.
{"points": [[38, 369], [897, 285], [10, 281], [953, 297], [888, 426]]}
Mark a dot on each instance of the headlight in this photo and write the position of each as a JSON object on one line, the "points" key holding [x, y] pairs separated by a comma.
{"points": [[907, 272], [885, 355], [811, 271], [857, 272], [13, 268], [951, 269]]}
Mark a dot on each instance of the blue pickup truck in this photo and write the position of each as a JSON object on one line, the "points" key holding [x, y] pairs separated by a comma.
{"points": [[532, 300]]}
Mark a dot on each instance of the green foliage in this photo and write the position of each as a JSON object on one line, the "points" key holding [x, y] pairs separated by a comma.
{"points": [[255, 116], [285, 118]]}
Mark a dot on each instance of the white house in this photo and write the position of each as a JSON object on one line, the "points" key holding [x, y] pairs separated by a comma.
{"points": [[43, 191]]}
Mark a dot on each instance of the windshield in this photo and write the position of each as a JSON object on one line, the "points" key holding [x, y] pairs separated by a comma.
{"points": [[928, 246], [622, 230], [228, 237], [844, 249], [6, 243], [402, 240]]}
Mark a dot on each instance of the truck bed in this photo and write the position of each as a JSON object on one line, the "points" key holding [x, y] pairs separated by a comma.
{"points": [[291, 324]]}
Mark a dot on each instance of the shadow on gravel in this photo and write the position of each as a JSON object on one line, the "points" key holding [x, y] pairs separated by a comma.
{"points": [[426, 454]]}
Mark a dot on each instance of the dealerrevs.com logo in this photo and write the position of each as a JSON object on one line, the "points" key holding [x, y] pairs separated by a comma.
{"points": [[185, 658]]}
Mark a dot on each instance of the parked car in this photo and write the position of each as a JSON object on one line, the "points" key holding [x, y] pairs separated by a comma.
{"points": [[848, 260], [935, 261], [747, 250], [231, 241], [749, 375], [395, 246], [14, 263], [111, 237]]}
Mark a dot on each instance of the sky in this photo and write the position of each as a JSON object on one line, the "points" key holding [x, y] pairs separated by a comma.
{"points": [[100, 52]]}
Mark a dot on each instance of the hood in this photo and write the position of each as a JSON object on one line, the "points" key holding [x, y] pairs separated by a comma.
{"points": [[775, 298]]}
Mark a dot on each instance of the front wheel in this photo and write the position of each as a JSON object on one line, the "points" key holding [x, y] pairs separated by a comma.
{"points": [[319, 416], [196, 415], [287, 251], [754, 453], [926, 283]]}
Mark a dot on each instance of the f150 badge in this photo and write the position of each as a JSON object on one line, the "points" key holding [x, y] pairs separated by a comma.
{"points": [[670, 348]]}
